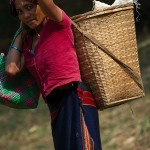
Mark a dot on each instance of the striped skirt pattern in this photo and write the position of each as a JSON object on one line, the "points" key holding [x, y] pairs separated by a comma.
{"points": [[74, 119]]}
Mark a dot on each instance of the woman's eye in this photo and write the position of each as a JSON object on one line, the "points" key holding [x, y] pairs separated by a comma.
{"points": [[26, 7], [29, 7]]}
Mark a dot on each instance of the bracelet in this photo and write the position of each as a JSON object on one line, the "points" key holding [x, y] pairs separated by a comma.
{"points": [[17, 49]]}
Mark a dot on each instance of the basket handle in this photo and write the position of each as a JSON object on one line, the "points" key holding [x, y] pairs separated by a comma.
{"points": [[126, 68]]}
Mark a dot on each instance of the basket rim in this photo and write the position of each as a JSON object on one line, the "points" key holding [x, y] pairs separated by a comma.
{"points": [[122, 101], [109, 10]]}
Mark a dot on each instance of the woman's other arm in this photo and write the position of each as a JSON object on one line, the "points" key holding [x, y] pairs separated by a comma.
{"points": [[15, 60], [51, 10]]}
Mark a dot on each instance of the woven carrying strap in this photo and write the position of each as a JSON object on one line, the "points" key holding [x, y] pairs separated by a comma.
{"points": [[21, 28], [126, 68]]}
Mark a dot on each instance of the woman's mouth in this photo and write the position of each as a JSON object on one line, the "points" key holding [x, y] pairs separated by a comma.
{"points": [[30, 22]]}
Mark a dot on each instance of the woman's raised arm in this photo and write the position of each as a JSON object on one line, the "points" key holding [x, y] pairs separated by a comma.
{"points": [[51, 10]]}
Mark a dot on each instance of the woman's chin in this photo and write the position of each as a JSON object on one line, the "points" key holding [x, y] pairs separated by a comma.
{"points": [[31, 26]]}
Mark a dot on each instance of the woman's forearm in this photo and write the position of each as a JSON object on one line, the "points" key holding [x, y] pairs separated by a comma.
{"points": [[14, 61], [51, 10]]}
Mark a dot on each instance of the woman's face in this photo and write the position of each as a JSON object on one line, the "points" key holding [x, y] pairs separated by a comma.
{"points": [[29, 13]]}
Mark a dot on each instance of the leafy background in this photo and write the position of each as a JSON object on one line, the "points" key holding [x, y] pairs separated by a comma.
{"points": [[126, 127]]}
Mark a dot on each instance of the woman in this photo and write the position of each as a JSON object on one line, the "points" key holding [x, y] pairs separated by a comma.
{"points": [[46, 49]]}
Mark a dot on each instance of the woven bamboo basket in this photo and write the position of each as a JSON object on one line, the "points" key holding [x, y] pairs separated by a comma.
{"points": [[106, 47]]}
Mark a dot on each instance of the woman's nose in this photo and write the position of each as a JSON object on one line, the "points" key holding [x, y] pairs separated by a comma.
{"points": [[26, 14]]}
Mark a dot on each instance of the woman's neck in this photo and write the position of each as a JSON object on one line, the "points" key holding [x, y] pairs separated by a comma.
{"points": [[39, 28]]}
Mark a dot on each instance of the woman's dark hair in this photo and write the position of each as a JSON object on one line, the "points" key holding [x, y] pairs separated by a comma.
{"points": [[13, 8]]}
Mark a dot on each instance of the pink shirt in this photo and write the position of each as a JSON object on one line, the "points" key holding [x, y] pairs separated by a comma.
{"points": [[54, 62]]}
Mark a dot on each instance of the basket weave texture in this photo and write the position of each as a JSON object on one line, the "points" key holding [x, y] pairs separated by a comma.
{"points": [[114, 28]]}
